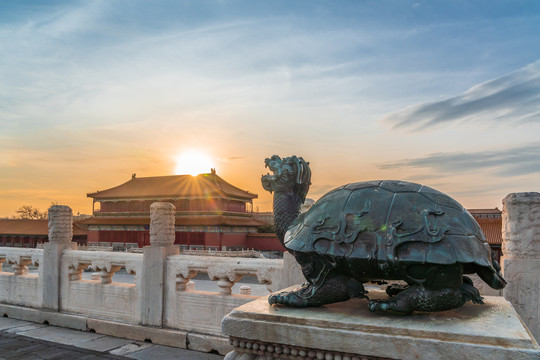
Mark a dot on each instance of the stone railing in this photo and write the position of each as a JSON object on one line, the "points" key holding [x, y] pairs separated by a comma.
{"points": [[249, 253], [202, 311], [19, 287], [228, 253], [101, 298], [156, 304], [92, 247], [89, 247]]}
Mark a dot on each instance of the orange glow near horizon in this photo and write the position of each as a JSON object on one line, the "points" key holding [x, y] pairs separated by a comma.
{"points": [[193, 163]]}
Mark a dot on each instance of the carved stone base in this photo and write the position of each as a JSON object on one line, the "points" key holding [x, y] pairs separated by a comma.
{"points": [[245, 349], [348, 330]]}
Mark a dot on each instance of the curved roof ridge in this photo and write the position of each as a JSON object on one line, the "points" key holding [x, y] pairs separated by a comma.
{"points": [[173, 186]]}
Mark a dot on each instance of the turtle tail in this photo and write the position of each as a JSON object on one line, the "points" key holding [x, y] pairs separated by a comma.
{"points": [[492, 276]]}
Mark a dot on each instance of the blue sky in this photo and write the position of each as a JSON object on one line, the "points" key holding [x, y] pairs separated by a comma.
{"points": [[445, 93]]}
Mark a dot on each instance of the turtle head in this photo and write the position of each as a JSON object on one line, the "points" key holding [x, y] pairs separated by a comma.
{"points": [[289, 174]]}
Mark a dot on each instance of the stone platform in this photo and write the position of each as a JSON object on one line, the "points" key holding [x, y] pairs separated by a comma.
{"points": [[36, 341], [348, 330]]}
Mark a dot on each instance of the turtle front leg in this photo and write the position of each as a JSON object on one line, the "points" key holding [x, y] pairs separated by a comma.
{"points": [[335, 288], [296, 298]]}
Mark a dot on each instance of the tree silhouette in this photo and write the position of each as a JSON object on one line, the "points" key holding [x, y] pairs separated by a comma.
{"points": [[30, 212]]}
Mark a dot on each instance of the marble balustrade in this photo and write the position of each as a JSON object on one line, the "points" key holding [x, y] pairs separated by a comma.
{"points": [[184, 309], [19, 287], [162, 295], [203, 311]]}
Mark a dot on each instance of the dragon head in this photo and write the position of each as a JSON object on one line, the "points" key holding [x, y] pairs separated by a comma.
{"points": [[289, 174]]}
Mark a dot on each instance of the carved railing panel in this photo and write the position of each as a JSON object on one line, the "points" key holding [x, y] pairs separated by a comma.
{"points": [[225, 271], [105, 263], [201, 311], [19, 287], [101, 298], [20, 258]]}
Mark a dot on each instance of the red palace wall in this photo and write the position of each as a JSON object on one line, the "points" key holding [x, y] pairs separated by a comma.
{"points": [[198, 239], [20, 241], [234, 240], [264, 242], [93, 236], [213, 240], [141, 238]]}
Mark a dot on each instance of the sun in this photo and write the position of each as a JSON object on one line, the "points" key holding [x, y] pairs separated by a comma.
{"points": [[193, 163]]}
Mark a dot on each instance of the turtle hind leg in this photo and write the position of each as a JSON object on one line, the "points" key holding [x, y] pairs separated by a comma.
{"points": [[335, 288], [419, 298], [469, 292]]}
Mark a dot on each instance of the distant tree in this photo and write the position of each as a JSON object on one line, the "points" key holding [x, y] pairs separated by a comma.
{"points": [[30, 212]]}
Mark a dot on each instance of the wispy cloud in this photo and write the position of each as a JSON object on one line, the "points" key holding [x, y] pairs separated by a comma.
{"points": [[511, 99], [516, 161], [94, 91], [76, 63], [231, 158]]}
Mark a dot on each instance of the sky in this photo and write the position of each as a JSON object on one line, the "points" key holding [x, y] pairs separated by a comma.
{"points": [[442, 93]]}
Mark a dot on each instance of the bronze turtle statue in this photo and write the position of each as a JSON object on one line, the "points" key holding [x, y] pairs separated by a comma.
{"points": [[375, 231]]}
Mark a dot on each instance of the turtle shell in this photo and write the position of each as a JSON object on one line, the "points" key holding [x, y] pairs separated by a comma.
{"points": [[390, 222]]}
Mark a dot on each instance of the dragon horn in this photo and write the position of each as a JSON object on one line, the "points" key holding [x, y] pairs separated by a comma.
{"points": [[300, 176]]}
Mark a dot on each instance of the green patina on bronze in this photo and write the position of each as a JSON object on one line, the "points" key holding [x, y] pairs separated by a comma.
{"points": [[374, 231]]}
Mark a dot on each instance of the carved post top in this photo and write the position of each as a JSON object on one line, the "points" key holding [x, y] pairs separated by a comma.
{"points": [[60, 223], [523, 198], [162, 232], [521, 225], [166, 206]]}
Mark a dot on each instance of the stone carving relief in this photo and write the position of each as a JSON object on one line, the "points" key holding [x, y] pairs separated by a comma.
{"points": [[133, 267], [521, 260], [75, 271], [521, 225], [265, 276], [222, 271], [183, 276], [162, 231], [60, 223], [245, 349], [226, 276]]}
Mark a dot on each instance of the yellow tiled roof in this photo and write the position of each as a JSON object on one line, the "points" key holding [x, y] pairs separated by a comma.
{"points": [[173, 186]]}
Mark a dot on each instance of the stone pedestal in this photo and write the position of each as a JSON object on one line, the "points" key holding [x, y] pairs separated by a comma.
{"points": [[348, 330], [60, 235], [152, 289], [521, 260]]}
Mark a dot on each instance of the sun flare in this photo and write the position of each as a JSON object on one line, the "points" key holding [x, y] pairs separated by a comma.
{"points": [[193, 163]]}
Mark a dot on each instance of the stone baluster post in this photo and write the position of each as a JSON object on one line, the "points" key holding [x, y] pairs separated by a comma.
{"points": [[21, 268], [60, 235], [153, 277], [245, 290], [521, 256]]}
